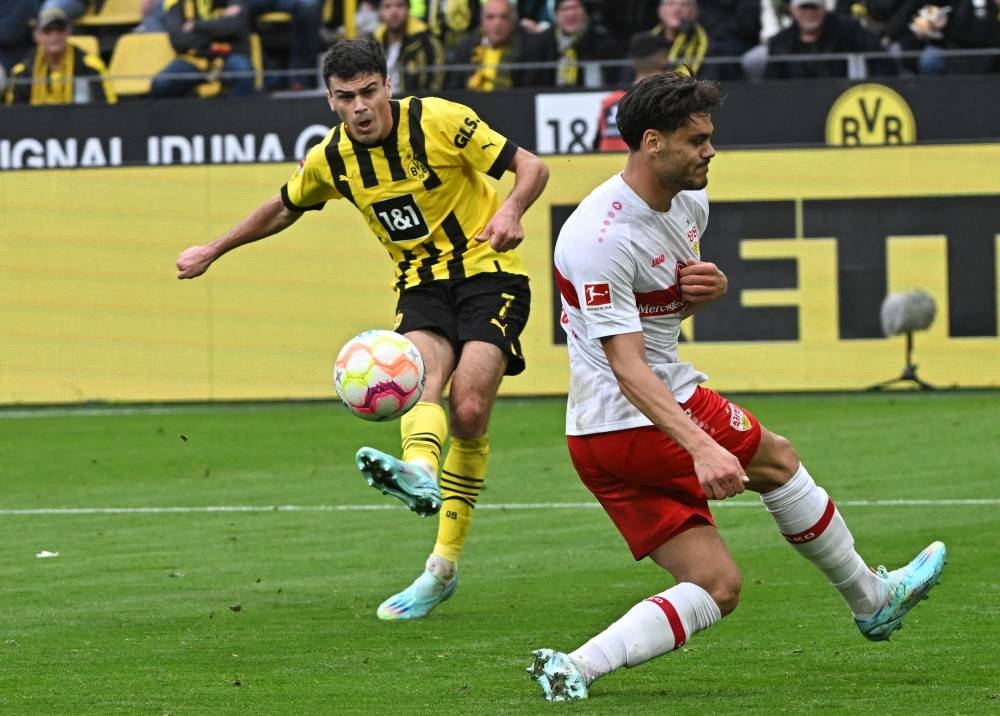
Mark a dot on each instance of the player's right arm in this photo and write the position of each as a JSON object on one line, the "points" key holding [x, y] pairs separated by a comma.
{"points": [[308, 189], [266, 220], [719, 472]]}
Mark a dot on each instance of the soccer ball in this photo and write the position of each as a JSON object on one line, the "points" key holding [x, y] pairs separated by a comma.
{"points": [[379, 375]]}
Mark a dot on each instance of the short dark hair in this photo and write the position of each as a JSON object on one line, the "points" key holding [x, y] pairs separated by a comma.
{"points": [[664, 102], [352, 57]]}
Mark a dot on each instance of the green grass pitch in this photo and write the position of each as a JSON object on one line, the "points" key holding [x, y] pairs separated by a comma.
{"points": [[272, 611]]}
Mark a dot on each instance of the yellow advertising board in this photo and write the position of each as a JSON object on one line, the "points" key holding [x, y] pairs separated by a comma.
{"points": [[90, 309]]}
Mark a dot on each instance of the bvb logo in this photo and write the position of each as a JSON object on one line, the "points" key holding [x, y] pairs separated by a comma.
{"points": [[416, 169], [870, 115]]}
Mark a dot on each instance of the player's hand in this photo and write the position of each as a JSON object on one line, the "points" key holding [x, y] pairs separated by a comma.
{"points": [[504, 232], [720, 474], [701, 282], [194, 261]]}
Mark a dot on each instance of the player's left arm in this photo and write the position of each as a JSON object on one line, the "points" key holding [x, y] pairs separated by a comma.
{"points": [[701, 282], [504, 230]]}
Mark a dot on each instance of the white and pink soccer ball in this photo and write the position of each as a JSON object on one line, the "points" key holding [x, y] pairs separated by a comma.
{"points": [[379, 375]]}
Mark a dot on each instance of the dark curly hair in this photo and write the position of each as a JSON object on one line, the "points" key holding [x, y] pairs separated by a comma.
{"points": [[664, 102], [350, 58]]}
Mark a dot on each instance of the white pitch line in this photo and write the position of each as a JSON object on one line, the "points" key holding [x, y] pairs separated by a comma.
{"points": [[10, 512]]}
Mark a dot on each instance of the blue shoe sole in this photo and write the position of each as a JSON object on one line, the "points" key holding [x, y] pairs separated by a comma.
{"points": [[425, 501]]}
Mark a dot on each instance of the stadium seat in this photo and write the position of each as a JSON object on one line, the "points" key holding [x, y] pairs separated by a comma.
{"points": [[113, 12], [257, 59], [138, 56], [273, 18], [88, 43]]}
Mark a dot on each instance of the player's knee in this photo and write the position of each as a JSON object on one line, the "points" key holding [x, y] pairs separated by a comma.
{"points": [[785, 456], [724, 589], [469, 415], [726, 593], [775, 462]]}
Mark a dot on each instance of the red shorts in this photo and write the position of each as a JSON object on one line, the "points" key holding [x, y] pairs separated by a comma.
{"points": [[646, 482]]}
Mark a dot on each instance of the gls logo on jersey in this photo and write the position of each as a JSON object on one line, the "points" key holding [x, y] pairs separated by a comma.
{"points": [[596, 297], [464, 135]]}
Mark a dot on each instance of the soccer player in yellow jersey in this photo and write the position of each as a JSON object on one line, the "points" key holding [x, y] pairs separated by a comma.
{"points": [[415, 170]]}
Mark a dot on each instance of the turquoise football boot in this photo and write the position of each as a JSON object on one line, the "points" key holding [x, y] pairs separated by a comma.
{"points": [[558, 676], [412, 485], [907, 586], [417, 600]]}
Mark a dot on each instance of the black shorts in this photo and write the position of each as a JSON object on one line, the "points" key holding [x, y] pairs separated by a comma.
{"points": [[488, 307]]}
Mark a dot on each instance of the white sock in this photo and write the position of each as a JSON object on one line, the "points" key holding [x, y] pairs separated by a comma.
{"points": [[808, 519], [652, 627]]}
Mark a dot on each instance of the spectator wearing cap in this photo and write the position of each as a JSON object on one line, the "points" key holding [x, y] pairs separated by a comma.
{"points": [[499, 41], [578, 46], [73, 8], [678, 29], [409, 47], [56, 72], [649, 55], [212, 39], [814, 31], [15, 32]]}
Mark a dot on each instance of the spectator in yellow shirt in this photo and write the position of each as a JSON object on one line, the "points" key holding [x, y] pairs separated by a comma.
{"points": [[56, 72]]}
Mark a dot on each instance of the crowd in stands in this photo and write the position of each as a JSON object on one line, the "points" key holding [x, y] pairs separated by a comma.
{"points": [[244, 47]]}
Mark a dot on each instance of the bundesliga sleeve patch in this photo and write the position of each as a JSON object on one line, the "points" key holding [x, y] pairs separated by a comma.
{"points": [[596, 297]]}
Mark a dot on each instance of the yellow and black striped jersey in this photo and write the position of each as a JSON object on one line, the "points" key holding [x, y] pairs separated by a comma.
{"points": [[423, 189]]}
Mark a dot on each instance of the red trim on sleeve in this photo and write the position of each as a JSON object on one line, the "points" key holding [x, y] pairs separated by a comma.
{"points": [[566, 289]]}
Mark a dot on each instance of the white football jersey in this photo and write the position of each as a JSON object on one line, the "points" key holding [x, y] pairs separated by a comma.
{"points": [[616, 263]]}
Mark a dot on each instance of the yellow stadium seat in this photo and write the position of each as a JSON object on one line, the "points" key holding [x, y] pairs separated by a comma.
{"points": [[87, 43], [274, 18], [113, 12], [138, 56], [257, 59]]}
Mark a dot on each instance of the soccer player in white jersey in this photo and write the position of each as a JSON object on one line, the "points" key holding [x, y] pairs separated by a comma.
{"points": [[646, 437]]}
